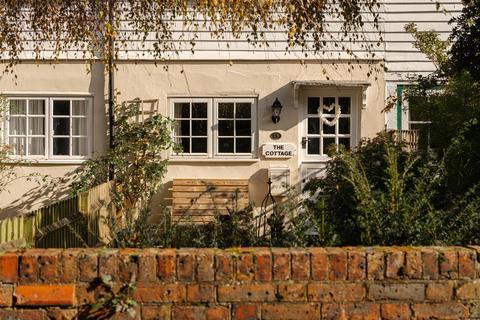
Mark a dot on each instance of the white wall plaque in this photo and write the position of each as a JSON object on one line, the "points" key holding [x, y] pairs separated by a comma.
{"points": [[278, 150]]}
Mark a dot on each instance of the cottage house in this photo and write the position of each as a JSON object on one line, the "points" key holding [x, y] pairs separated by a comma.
{"points": [[245, 113]]}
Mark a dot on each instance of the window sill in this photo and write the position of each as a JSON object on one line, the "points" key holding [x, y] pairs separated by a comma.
{"points": [[30, 162], [213, 160]]}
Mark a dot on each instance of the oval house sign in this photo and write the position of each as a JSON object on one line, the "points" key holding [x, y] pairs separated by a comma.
{"points": [[278, 150]]}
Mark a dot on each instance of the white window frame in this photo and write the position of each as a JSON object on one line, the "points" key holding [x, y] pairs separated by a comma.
{"points": [[212, 133], [48, 155]]}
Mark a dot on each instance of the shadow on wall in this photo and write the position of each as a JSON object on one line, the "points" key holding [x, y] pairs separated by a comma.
{"points": [[44, 193]]}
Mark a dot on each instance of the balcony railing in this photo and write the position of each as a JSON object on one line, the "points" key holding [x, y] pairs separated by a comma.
{"points": [[408, 137]]}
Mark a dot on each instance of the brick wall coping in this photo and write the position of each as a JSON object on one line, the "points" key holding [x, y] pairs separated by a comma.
{"points": [[248, 283]]}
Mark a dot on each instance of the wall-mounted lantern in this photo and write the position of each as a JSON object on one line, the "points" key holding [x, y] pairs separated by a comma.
{"points": [[276, 110]]}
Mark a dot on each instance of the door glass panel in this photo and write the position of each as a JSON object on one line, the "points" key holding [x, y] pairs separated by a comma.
{"points": [[344, 125], [313, 126], [328, 129], [345, 142], [328, 101], [327, 144], [313, 146], [313, 104], [344, 103]]}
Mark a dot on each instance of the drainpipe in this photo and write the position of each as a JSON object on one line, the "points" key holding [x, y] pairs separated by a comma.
{"points": [[111, 93]]}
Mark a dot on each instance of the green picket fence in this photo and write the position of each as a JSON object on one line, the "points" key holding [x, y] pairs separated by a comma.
{"points": [[71, 223]]}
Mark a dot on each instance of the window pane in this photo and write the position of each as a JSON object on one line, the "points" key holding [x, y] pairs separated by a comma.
{"points": [[36, 146], [328, 143], [199, 145], [36, 126], [79, 146], [328, 129], [328, 101], [313, 104], [185, 143], [17, 146], [182, 128], [61, 126], [243, 128], [61, 107], [61, 146], [313, 146], [17, 125], [243, 110], [199, 110], [36, 107], [182, 110], [18, 107], [225, 127], [345, 142], [344, 103], [199, 127], [243, 145], [313, 125], [225, 145], [344, 125], [225, 110], [79, 126], [79, 108]]}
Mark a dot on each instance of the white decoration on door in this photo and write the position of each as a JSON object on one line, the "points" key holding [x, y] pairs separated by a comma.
{"points": [[338, 112]]}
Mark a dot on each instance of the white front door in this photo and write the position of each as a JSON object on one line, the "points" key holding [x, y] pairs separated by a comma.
{"points": [[329, 119]]}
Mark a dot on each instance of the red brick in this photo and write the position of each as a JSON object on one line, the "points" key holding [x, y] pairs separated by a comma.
{"points": [[300, 265], [108, 264], [128, 266], [8, 268], [62, 314], [151, 293], [84, 294], [246, 312], [200, 293], [361, 311], [147, 266], [469, 291], [430, 264], [375, 265], [88, 266], [69, 265], [218, 313], [338, 292], [395, 264], [397, 291], [48, 266], [185, 266], [337, 264], [246, 293], [319, 261], [304, 311], [6, 295], [357, 265], [281, 264], [263, 265], [466, 263], [189, 312], [166, 265], [45, 295], [23, 314], [413, 264], [448, 260], [205, 265], [444, 310], [156, 312], [439, 291], [245, 267], [28, 267], [292, 292], [396, 311], [224, 266]]}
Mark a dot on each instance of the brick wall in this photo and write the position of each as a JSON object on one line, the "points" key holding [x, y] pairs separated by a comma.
{"points": [[314, 283]]}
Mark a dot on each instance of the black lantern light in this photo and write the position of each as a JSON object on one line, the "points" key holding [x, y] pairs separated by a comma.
{"points": [[276, 110]]}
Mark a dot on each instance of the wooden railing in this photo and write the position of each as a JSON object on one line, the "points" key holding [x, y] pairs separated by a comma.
{"points": [[75, 222], [408, 137]]}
